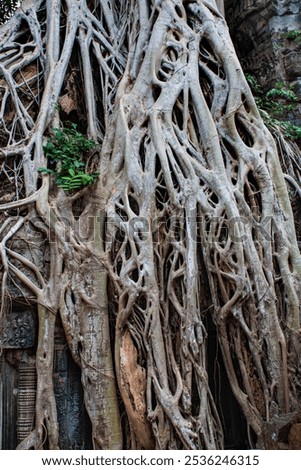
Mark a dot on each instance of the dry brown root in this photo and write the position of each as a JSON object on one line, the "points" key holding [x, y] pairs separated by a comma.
{"points": [[189, 221]]}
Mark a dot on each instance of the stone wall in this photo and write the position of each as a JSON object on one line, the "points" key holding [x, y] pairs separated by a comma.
{"points": [[258, 29]]}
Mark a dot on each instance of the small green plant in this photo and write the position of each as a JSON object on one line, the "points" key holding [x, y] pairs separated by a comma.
{"points": [[65, 151], [275, 103], [282, 91], [253, 82], [294, 35]]}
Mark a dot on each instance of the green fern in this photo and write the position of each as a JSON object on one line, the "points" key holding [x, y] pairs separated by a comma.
{"points": [[65, 151], [294, 35], [275, 103]]}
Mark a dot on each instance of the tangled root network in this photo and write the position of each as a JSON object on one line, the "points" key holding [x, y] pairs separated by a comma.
{"points": [[188, 227]]}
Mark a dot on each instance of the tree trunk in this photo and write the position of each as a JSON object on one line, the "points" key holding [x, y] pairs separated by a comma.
{"points": [[188, 224]]}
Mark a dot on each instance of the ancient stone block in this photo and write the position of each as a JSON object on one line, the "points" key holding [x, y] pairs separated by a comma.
{"points": [[19, 330]]}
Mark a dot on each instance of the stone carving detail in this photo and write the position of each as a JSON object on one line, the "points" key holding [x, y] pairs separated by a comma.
{"points": [[26, 397], [18, 384], [19, 330]]}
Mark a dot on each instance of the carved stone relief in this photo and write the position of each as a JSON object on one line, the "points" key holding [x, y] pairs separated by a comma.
{"points": [[18, 384]]}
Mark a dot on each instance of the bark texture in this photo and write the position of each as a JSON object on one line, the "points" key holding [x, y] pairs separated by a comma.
{"points": [[189, 222]]}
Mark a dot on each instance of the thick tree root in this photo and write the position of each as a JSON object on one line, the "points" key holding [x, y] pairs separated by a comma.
{"points": [[189, 221]]}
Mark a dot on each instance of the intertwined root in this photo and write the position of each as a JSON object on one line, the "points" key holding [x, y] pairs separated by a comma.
{"points": [[190, 219]]}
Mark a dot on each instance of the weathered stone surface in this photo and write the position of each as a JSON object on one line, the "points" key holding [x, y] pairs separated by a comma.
{"points": [[292, 63], [258, 29], [8, 405], [19, 330]]}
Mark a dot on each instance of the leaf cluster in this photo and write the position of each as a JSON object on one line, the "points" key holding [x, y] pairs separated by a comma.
{"points": [[65, 151], [294, 35], [275, 103]]}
